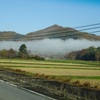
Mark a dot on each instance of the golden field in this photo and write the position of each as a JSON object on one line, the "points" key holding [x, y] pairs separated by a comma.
{"points": [[76, 70]]}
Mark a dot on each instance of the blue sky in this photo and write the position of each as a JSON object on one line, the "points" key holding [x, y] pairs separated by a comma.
{"points": [[24, 16]]}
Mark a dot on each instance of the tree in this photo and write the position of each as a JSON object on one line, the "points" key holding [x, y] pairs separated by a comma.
{"points": [[90, 53], [23, 51], [12, 53], [4, 53]]}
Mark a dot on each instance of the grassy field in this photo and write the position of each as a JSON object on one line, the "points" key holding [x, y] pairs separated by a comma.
{"points": [[82, 71]]}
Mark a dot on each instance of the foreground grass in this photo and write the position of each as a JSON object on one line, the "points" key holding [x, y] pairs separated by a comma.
{"points": [[55, 71], [75, 62], [83, 71]]}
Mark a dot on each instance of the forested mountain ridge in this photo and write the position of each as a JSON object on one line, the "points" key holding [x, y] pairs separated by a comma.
{"points": [[51, 32]]}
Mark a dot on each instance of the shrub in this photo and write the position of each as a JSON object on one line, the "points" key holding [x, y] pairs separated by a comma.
{"points": [[86, 84], [76, 82]]}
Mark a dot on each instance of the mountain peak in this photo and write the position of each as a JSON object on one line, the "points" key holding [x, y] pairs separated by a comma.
{"points": [[54, 27]]}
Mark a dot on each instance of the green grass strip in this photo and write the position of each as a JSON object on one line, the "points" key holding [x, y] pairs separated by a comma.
{"points": [[79, 77]]}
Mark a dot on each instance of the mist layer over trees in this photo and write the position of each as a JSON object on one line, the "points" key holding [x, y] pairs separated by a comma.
{"points": [[48, 47], [22, 53]]}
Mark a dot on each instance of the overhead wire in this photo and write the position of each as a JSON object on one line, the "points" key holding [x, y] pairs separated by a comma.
{"points": [[87, 25], [95, 31]]}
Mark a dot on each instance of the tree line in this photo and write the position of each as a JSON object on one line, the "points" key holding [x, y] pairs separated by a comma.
{"points": [[22, 53], [88, 54]]}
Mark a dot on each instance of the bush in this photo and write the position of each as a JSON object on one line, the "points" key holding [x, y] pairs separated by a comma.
{"points": [[86, 84], [76, 83], [36, 57]]}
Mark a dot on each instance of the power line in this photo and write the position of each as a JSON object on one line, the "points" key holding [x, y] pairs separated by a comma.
{"points": [[89, 28], [95, 31], [87, 25]]}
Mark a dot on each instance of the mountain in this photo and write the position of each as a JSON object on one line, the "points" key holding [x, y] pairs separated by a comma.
{"points": [[52, 32], [57, 31], [9, 36]]}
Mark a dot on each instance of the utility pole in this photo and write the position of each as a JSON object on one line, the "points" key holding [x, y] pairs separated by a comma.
{"points": [[10, 54]]}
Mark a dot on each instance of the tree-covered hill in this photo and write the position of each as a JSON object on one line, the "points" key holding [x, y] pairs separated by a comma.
{"points": [[90, 53]]}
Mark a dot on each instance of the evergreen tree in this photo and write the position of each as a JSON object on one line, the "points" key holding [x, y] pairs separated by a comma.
{"points": [[23, 51]]}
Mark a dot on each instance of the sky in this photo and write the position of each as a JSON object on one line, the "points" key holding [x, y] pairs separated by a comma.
{"points": [[24, 16]]}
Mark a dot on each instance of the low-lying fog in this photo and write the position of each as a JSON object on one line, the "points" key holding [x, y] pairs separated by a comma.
{"points": [[50, 46]]}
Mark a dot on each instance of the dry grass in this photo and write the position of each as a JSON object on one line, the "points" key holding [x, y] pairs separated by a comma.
{"points": [[93, 83], [54, 71], [68, 72]]}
